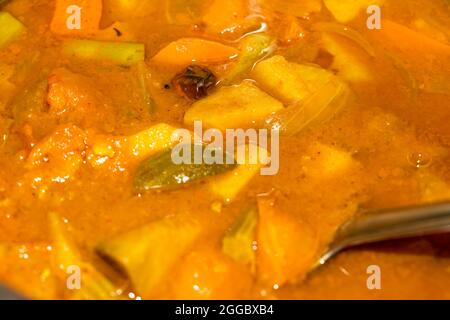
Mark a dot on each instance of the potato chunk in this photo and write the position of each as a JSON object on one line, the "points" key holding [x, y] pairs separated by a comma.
{"points": [[324, 161], [289, 82], [11, 29], [287, 247], [233, 107], [346, 10], [133, 148], [229, 185]]}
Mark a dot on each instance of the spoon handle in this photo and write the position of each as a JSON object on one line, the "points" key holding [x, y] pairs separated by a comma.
{"points": [[391, 224]]}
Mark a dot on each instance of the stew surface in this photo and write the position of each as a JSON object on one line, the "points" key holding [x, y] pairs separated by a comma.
{"points": [[91, 207]]}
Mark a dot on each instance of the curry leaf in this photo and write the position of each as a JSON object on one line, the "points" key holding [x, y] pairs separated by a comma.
{"points": [[160, 171]]}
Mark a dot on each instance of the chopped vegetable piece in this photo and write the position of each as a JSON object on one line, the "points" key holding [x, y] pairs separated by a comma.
{"points": [[122, 53], [287, 246], [348, 60], [207, 273], [424, 59], [135, 147], [67, 258], [226, 16], [317, 109], [90, 15], [324, 161], [143, 75], [233, 107], [348, 33], [150, 141], [194, 82], [193, 50], [402, 38], [127, 10], [346, 10], [289, 82], [291, 30], [253, 48], [239, 242], [160, 171], [148, 254], [11, 29], [293, 7], [229, 185]]}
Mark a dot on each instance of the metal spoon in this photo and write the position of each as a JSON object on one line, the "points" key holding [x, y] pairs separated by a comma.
{"points": [[390, 225], [7, 294]]}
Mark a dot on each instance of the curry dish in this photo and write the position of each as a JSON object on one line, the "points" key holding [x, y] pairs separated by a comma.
{"points": [[92, 93]]}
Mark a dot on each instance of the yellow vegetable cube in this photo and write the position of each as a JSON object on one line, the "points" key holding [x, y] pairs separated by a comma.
{"points": [[233, 107], [327, 162], [134, 147], [289, 82], [150, 141], [229, 185], [347, 10], [11, 29]]}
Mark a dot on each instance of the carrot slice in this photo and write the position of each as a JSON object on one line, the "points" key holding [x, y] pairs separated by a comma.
{"points": [[408, 40], [90, 15], [188, 50]]}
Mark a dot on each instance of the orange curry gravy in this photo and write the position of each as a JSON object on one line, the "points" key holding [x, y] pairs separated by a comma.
{"points": [[395, 129]]}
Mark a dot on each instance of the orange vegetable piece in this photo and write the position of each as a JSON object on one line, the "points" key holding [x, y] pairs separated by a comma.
{"points": [[188, 50], [207, 274], [225, 16], [291, 30], [286, 246], [90, 16], [405, 39]]}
